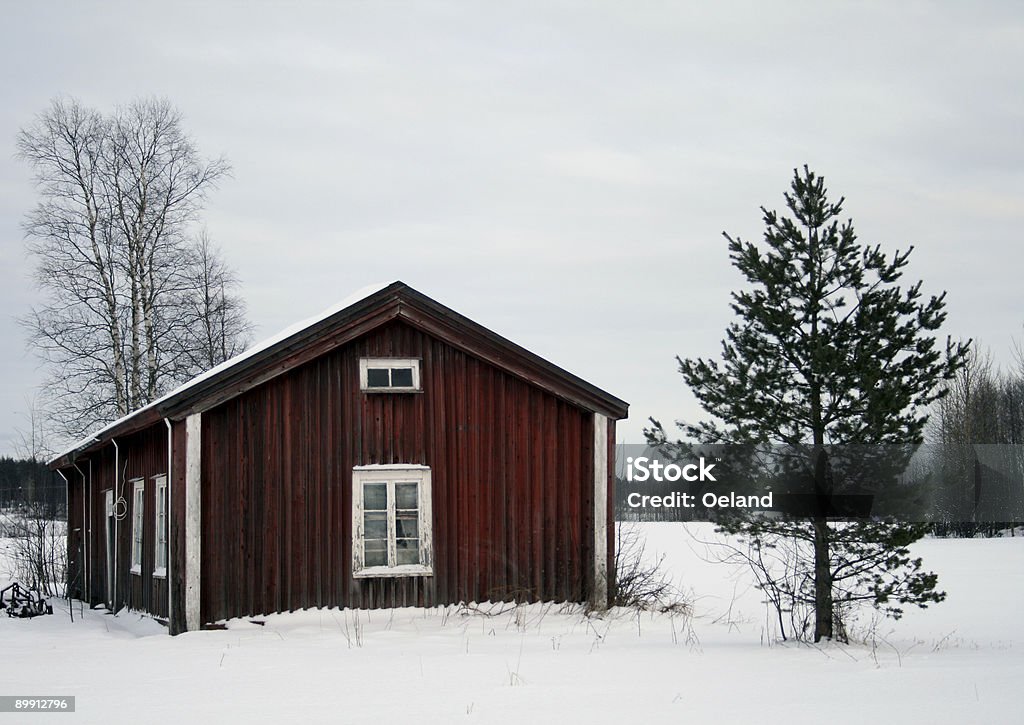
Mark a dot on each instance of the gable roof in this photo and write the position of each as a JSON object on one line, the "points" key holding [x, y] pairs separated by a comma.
{"points": [[358, 314]]}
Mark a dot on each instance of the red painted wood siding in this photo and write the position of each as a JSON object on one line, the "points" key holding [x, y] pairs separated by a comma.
{"points": [[512, 470], [142, 455]]}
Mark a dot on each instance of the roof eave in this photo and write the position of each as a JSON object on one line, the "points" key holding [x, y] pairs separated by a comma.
{"points": [[394, 301]]}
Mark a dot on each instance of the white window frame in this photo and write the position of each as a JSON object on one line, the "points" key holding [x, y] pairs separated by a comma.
{"points": [[386, 363], [158, 530], [138, 521], [392, 474]]}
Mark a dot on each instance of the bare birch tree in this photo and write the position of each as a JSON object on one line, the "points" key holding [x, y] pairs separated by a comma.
{"points": [[32, 441], [211, 314], [114, 257]]}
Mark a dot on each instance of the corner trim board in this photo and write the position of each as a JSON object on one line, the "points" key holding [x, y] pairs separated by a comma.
{"points": [[193, 519], [599, 597]]}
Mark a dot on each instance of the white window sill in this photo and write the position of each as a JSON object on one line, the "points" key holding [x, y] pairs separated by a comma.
{"points": [[160, 573], [392, 467], [136, 570], [386, 571], [391, 390]]}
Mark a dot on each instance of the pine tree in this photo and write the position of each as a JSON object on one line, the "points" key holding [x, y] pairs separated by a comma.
{"points": [[828, 349]]}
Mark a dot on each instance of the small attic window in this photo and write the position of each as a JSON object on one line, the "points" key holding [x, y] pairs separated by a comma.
{"points": [[389, 375]]}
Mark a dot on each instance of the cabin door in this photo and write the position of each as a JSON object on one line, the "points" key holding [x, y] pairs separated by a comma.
{"points": [[108, 498]]}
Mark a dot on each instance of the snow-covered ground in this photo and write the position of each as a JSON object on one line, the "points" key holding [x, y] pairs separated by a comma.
{"points": [[958, 662]]}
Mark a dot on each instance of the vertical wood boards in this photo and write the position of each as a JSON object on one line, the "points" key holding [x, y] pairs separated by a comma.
{"points": [[512, 469]]}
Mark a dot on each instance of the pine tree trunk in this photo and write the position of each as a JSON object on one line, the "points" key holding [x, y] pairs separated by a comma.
{"points": [[822, 581], [822, 555], [823, 605]]}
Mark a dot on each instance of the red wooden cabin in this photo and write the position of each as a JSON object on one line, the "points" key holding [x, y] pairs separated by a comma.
{"points": [[389, 453]]}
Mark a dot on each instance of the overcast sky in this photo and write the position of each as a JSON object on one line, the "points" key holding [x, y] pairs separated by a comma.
{"points": [[559, 172]]}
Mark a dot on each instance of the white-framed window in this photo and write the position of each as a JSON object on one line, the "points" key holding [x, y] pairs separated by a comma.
{"points": [[160, 535], [391, 521], [389, 375], [138, 512]]}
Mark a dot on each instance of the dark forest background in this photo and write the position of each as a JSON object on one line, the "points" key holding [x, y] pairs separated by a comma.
{"points": [[28, 484]]}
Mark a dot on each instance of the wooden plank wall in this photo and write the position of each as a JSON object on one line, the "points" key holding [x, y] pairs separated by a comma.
{"points": [[512, 484], [142, 455]]}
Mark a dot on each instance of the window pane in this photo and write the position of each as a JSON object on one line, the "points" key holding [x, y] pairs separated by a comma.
{"points": [[137, 513], [377, 378], [375, 497], [407, 525], [388, 508], [408, 551], [401, 377], [375, 525], [375, 553], [160, 549], [407, 496]]}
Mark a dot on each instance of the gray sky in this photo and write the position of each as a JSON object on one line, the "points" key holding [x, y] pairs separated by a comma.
{"points": [[559, 172]]}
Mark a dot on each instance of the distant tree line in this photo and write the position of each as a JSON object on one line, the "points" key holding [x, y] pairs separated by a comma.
{"points": [[975, 457], [983, 409], [27, 484], [985, 404]]}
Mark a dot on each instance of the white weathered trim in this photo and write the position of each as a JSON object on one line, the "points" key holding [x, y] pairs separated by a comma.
{"points": [[372, 572], [193, 518], [109, 528], [390, 467], [384, 363], [118, 498], [170, 508], [392, 474], [599, 597], [138, 543], [160, 482]]}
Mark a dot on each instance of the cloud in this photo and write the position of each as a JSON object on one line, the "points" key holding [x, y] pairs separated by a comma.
{"points": [[604, 165]]}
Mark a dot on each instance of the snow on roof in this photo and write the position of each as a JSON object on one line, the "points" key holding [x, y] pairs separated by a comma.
{"points": [[283, 335]]}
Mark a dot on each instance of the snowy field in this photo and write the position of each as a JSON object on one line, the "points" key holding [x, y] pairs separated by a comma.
{"points": [[958, 662]]}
